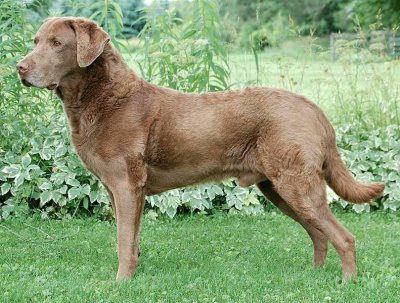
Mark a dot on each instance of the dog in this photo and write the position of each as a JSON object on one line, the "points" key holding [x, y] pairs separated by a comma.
{"points": [[141, 139]]}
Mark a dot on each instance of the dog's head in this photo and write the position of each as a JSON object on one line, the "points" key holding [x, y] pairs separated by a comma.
{"points": [[62, 46]]}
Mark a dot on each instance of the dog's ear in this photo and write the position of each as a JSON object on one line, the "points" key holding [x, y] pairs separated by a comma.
{"points": [[90, 40]]}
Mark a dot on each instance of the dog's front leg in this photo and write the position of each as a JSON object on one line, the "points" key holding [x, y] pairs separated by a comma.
{"points": [[129, 201]]}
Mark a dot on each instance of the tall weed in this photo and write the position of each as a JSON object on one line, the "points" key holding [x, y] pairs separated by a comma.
{"points": [[186, 54]]}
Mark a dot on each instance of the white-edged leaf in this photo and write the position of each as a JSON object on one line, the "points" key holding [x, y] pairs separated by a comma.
{"points": [[12, 170], [72, 182], [63, 189], [93, 196], [8, 208], [46, 185], [60, 151], [5, 187], [26, 160], [73, 192], [171, 211], [20, 179], [85, 189], [45, 197], [45, 153]]}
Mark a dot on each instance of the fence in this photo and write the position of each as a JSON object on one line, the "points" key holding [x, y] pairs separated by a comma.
{"points": [[380, 42]]}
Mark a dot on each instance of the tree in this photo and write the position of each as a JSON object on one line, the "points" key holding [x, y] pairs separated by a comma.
{"points": [[132, 13], [386, 12]]}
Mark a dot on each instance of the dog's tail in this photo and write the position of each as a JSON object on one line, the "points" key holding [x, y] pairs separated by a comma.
{"points": [[344, 185]]}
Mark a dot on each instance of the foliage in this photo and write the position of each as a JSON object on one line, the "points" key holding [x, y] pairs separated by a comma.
{"points": [[319, 16], [186, 54], [257, 35], [367, 11], [372, 156], [131, 17], [47, 174], [227, 195], [111, 14]]}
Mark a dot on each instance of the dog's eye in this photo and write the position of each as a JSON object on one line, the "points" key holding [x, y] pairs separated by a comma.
{"points": [[35, 41], [56, 43]]}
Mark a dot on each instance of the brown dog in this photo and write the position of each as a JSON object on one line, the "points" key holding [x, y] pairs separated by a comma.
{"points": [[140, 139]]}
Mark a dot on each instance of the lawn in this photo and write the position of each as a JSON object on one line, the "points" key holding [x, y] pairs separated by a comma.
{"points": [[196, 259]]}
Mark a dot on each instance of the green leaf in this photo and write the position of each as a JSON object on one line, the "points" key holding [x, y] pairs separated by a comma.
{"points": [[5, 187], [93, 196], [73, 192], [60, 151], [46, 185], [63, 189], [12, 170], [45, 197], [8, 208], [85, 189], [85, 203], [26, 160], [45, 153], [72, 182], [171, 211]]}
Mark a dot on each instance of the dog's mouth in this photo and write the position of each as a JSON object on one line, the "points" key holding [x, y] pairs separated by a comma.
{"points": [[52, 86], [26, 83]]}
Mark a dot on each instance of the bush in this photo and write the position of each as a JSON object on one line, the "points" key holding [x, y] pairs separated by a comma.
{"points": [[255, 35], [372, 156]]}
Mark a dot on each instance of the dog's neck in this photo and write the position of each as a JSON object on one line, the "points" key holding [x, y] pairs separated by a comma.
{"points": [[83, 85], [82, 89]]}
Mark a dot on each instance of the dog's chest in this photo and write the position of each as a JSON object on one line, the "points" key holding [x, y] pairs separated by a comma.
{"points": [[86, 152]]}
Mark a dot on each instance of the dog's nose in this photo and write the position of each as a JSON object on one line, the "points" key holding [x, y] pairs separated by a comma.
{"points": [[22, 68]]}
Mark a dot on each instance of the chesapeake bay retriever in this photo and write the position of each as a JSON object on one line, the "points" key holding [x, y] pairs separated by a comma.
{"points": [[141, 139]]}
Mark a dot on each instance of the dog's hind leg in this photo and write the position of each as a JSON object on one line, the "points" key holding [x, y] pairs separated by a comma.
{"points": [[319, 239], [305, 194]]}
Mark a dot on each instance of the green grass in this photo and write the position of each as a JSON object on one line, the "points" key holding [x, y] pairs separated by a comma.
{"points": [[195, 259]]}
